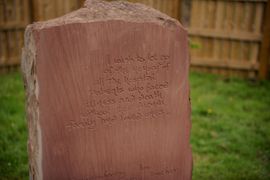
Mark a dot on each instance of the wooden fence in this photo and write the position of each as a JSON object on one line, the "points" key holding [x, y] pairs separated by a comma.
{"points": [[14, 16], [226, 35], [49, 9]]}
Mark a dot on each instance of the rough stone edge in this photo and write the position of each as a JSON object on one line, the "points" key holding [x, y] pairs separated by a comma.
{"points": [[28, 67], [100, 10]]}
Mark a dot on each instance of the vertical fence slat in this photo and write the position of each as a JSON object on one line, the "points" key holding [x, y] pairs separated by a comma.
{"points": [[177, 9], [202, 14], [3, 47], [1, 13], [256, 29], [194, 10], [258, 18], [202, 41], [218, 26], [25, 12], [211, 25], [265, 47]]}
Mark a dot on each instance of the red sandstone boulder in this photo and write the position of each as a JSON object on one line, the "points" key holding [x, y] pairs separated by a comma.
{"points": [[108, 95]]}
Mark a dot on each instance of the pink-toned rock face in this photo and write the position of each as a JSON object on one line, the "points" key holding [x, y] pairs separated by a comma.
{"points": [[112, 97]]}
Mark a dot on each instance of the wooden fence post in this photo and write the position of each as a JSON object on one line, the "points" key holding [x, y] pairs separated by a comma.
{"points": [[35, 10], [265, 47], [179, 9]]}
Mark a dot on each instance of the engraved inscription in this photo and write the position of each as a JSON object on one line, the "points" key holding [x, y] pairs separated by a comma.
{"points": [[143, 172], [134, 82]]}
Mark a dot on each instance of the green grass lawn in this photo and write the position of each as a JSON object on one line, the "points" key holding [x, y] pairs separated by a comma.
{"points": [[230, 128]]}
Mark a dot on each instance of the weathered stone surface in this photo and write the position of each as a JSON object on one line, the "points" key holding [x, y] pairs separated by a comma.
{"points": [[108, 95]]}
